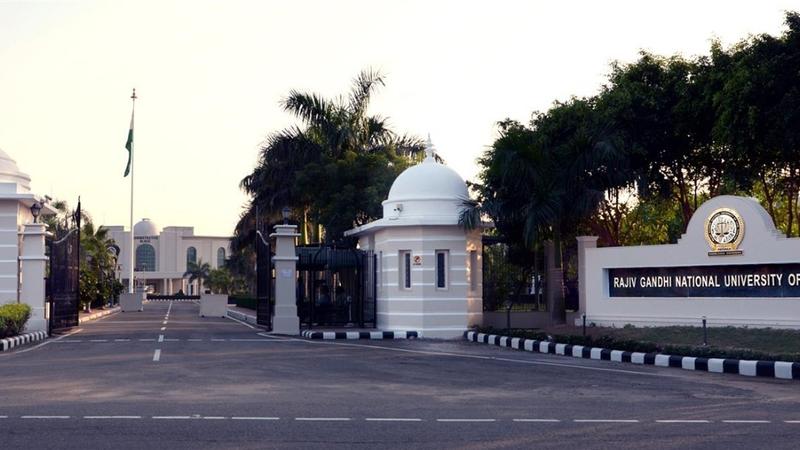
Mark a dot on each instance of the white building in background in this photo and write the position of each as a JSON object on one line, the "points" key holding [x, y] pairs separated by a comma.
{"points": [[429, 267], [162, 256], [22, 253]]}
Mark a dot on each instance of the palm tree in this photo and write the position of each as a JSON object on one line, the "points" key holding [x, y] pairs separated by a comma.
{"points": [[332, 134], [97, 264], [197, 271]]}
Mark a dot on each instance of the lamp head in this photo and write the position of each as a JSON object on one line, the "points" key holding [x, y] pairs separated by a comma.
{"points": [[285, 212], [36, 209]]}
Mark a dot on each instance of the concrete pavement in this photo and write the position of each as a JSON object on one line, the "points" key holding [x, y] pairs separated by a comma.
{"points": [[165, 378]]}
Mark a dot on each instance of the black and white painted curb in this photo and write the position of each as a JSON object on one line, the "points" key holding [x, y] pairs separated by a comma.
{"points": [[352, 335], [99, 314], [773, 369], [246, 318], [27, 338]]}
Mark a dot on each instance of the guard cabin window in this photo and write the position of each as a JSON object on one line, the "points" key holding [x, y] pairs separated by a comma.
{"points": [[405, 269], [441, 269]]}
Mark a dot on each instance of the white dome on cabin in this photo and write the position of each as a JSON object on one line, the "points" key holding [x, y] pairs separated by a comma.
{"points": [[145, 228], [428, 189], [10, 173]]}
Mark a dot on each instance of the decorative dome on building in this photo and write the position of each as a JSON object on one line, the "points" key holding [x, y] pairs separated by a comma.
{"points": [[145, 228], [10, 173], [428, 189]]}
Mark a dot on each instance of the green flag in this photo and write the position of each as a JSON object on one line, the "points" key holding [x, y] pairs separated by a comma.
{"points": [[129, 146]]}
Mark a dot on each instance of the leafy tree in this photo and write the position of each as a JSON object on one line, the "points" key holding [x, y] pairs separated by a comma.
{"points": [[758, 116], [220, 281]]}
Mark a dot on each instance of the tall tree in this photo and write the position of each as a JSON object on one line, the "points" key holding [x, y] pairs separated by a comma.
{"points": [[758, 116], [333, 169]]}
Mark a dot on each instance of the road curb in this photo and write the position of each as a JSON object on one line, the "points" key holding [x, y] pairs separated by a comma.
{"points": [[27, 338], [246, 318], [99, 314], [353, 335], [772, 369]]}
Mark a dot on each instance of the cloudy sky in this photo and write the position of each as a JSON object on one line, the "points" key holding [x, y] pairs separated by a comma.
{"points": [[209, 76]]}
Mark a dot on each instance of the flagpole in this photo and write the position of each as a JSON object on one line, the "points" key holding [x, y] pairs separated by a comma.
{"points": [[131, 254]]}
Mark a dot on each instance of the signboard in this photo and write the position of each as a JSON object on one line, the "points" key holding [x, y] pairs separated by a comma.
{"points": [[754, 280]]}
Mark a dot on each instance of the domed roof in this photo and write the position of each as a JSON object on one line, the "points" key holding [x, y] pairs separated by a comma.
{"points": [[428, 180], [145, 228], [10, 173], [428, 189]]}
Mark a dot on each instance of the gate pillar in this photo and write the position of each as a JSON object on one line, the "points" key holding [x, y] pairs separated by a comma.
{"points": [[285, 320], [33, 263]]}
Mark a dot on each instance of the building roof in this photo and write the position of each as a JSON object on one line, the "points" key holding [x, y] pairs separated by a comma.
{"points": [[145, 227], [428, 193], [10, 173]]}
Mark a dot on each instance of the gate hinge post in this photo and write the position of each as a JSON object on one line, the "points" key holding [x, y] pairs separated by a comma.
{"points": [[32, 271]]}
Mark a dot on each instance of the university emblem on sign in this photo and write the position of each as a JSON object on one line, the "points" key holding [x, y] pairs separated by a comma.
{"points": [[724, 232]]}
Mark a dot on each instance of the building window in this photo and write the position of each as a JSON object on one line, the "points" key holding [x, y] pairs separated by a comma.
{"points": [[441, 269], [191, 256], [405, 269], [145, 258], [473, 270], [220, 258]]}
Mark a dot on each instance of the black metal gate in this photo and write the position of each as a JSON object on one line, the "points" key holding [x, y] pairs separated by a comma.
{"points": [[264, 281], [336, 287], [63, 282], [512, 281]]}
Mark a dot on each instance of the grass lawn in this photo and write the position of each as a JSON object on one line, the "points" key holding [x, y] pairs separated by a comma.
{"points": [[766, 340]]}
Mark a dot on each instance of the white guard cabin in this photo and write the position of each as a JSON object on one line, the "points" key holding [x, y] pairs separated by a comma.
{"points": [[429, 266]]}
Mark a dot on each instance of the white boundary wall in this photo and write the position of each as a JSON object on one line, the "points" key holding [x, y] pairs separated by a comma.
{"points": [[762, 244]]}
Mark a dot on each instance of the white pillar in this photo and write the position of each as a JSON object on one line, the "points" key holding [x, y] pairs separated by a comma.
{"points": [[32, 272], [285, 320], [584, 242]]}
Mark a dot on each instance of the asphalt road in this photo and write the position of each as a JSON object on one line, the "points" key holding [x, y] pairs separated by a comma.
{"points": [[166, 378]]}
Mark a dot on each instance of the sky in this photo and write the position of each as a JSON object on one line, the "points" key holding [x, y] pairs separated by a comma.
{"points": [[210, 76]]}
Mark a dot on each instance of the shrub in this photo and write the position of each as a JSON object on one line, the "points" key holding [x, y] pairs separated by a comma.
{"points": [[13, 318]]}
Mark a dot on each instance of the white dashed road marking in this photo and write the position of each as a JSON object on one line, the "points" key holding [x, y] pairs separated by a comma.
{"points": [[112, 417], [322, 419], [537, 420], [171, 417], [160, 338], [392, 419], [157, 355], [44, 417], [606, 421], [466, 420], [746, 421], [683, 421], [255, 418], [214, 418]]}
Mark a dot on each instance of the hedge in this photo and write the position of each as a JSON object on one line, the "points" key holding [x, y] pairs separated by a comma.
{"points": [[243, 302], [627, 345], [13, 318]]}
